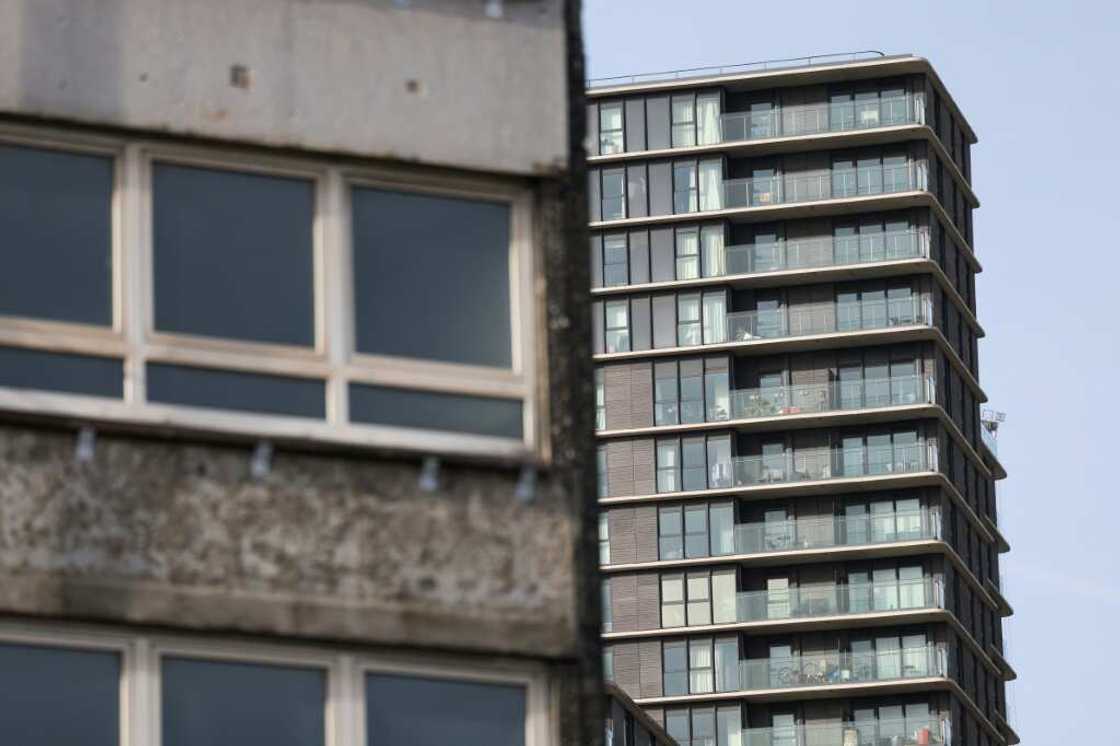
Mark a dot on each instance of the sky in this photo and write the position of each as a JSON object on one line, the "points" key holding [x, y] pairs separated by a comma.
{"points": [[1040, 84]]}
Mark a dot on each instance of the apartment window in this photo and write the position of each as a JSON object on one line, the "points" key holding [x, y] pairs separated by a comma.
{"points": [[608, 664], [689, 331], [894, 107], [719, 461], [724, 600], [686, 189], [688, 253], [726, 664], [711, 185], [241, 296], [610, 129], [616, 265], [57, 221], [59, 694], [668, 465], [614, 194], [708, 119], [700, 666], [670, 534], [666, 404], [600, 400], [601, 470], [896, 173], [618, 326], [672, 600], [675, 661], [213, 231], [604, 539], [692, 391], [217, 701], [699, 599], [712, 248], [693, 464], [717, 392], [606, 606], [696, 531], [763, 119], [684, 121], [721, 519], [715, 317]]}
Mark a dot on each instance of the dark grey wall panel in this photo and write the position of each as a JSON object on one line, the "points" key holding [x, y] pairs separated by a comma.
{"points": [[660, 188], [639, 256], [664, 321], [640, 324], [236, 390], [55, 219], [657, 122], [635, 124], [431, 277], [233, 254], [220, 703], [61, 372], [432, 712], [594, 195], [57, 697], [428, 410], [596, 261], [662, 258]]}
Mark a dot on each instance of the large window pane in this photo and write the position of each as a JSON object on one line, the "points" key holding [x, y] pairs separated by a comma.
{"points": [[438, 712], [62, 372], [222, 703], [433, 410], [233, 254], [236, 390], [59, 696], [56, 220], [431, 277]]}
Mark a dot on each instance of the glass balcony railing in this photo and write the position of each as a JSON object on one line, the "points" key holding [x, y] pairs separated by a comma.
{"points": [[832, 599], [838, 183], [743, 326], [822, 669], [989, 439], [836, 531], [813, 464], [834, 396], [908, 732], [813, 253], [815, 119]]}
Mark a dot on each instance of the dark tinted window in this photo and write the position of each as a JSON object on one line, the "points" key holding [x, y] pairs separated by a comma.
{"points": [[55, 696], [233, 255], [62, 372], [55, 219], [246, 392], [217, 703], [376, 405], [430, 712], [431, 277]]}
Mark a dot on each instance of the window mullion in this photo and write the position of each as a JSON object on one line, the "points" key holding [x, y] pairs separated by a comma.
{"points": [[333, 305]]}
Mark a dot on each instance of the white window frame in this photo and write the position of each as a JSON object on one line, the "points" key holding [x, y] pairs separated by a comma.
{"points": [[332, 359], [141, 655]]}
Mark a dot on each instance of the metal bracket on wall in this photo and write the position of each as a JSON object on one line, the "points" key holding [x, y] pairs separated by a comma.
{"points": [[429, 474], [86, 445], [260, 463], [526, 490]]}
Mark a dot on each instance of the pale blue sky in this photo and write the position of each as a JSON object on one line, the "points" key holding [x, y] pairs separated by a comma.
{"points": [[1038, 81]]}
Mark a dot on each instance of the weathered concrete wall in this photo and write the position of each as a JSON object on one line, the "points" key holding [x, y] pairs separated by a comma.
{"points": [[326, 547], [436, 81]]}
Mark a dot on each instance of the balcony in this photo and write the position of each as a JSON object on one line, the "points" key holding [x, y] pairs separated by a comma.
{"points": [[837, 184], [817, 398], [833, 668], [989, 439], [837, 531], [809, 464], [827, 600], [908, 732], [817, 253], [815, 119]]}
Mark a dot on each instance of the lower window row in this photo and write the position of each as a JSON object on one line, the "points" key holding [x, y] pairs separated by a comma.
{"points": [[90, 692]]}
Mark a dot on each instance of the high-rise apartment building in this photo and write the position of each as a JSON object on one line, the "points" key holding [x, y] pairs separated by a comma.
{"points": [[294, 449], [798, 526]]}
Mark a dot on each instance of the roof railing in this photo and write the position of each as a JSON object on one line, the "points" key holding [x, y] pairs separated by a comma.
{"points": [[697, 72]]}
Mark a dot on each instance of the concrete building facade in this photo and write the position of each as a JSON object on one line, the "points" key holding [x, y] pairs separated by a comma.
{"points": [[293, 447], [798, 524]]}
